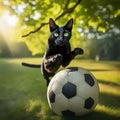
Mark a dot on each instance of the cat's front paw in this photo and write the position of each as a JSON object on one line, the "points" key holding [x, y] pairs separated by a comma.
{"points": [[78, 51], [58, 58]]}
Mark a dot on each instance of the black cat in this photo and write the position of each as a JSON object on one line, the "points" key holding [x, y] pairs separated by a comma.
{"points": [[58, 50]]}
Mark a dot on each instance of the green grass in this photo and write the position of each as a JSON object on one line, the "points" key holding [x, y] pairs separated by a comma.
{"points": [[23, 91]]}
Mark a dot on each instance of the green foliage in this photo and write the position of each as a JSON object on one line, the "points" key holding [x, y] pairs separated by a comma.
{"points": [[91, 17], [106, 47], [11, 48]]}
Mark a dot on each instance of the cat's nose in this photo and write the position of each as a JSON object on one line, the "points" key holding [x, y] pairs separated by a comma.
{"points": [[60, 38], [59, 42]]}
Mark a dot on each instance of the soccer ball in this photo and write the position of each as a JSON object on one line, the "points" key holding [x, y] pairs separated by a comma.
{"points": [[73, 91]]}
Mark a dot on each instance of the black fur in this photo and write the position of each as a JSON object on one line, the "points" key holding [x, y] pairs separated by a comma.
{"points": [[58, 50], [31, 65]]}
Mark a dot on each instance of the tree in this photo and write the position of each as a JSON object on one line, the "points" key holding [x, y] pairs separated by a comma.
{"points": [[11, 48], [90, 17], [4, 49]]}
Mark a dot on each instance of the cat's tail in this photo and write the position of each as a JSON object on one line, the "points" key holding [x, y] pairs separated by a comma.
{"points": [[31, 65]]}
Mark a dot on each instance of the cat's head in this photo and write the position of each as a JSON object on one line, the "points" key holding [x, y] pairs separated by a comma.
{"points": [[60, 35]]}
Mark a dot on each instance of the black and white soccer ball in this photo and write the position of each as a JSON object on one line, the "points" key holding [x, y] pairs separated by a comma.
{"points": [[73, 91]]}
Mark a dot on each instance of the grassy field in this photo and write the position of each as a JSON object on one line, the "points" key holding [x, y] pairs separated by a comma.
{"points": [[23, 91]]}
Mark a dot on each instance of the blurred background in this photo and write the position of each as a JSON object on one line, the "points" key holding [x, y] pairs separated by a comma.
{"points": [[96, 26], [24, 33]]}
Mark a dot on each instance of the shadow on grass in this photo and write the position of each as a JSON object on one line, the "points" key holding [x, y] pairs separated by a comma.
{"points": [[19, 113], [110, 100], [38, 114], [16, 109], [107, 82], [102, 70], [93, 116]]}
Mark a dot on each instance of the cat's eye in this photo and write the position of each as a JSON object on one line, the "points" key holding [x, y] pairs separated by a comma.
{"points": [[56, 34], [66, 34]]}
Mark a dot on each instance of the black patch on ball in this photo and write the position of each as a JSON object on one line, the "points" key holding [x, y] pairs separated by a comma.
{"points": [[52, 96], [89, 79], [89, 103], [69, 90], [72, 69], [68, 113]]}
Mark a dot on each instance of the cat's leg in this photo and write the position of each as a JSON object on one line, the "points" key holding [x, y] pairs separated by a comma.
{"points": [[45, 74], [71, 56], [76, 51], [52, 63]]}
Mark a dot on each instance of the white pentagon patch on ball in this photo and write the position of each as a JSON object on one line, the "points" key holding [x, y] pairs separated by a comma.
{"points": [[73, 92]]}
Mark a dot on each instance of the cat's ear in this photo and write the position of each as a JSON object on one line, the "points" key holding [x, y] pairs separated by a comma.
{"points": [[52, 24], [69, 24]]}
